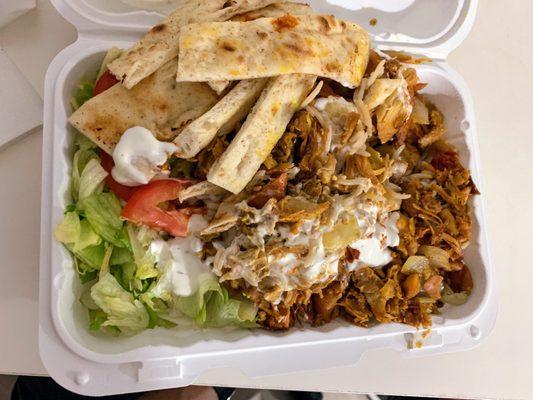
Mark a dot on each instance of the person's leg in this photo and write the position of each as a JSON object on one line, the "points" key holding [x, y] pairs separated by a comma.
{"points": [[39, 388]]}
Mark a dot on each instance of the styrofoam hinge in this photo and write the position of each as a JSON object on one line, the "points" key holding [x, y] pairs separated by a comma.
{"points": [[158, 370]]}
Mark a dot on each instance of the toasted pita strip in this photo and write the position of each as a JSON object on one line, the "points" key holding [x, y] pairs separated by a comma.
{"points": [[275, 10], [309, 44], [219, 86], [225, 218], [220, 119], [160, 44], [158, 103], [272, 10], [200, 189], [261, 131]]}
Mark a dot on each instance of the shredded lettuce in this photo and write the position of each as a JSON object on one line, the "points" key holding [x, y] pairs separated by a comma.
{"points": [[102, 210], [85, 297], [140, 239], [121, 308], [156, 320], [97, 318], [92, 179], [120, 256], [92, 256], [209, 306], [82, 142], [195, 306], [124, 290], [68, 230], [85, 272], [77, 234], [81, 159], [87, 237], [83, 92]]}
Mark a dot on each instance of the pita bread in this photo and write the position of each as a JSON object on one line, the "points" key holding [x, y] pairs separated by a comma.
{"points": [[226, 216], [200, 189], [272, 10], [275, 10], [220, 119], [261, 131], [160, 44], [158, 103], [310, 44], [219, 86]]}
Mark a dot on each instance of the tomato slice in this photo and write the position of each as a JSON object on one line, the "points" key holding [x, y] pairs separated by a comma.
{"points": [[104, 82], [143, 206], [123, 192]]}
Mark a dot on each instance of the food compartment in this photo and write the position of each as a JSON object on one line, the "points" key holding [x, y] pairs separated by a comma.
{"points": [[444, 88]]}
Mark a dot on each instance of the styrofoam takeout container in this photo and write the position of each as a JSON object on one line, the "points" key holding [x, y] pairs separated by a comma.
{"points": [[95, 365]]}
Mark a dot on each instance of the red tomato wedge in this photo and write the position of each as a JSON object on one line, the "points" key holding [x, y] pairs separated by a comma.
{"points": [[121, 191], [143, 206], [104, 82]]}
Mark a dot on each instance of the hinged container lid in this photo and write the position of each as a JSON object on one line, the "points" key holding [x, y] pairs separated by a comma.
{"points": [[430, 27]]}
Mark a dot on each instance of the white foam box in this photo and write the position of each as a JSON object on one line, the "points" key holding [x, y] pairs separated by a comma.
{"points": [[96, 365]]}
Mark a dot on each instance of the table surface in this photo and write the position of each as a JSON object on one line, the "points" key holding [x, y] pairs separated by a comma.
{"points": [[495, 61]]}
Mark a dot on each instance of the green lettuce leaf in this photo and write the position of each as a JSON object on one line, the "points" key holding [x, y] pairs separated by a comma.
{"points": [[102, 210], [209, 306], [91, 179], [92, 256], [122, 309], [86, 299], [77, 234], [140, 239], [86, 273], [233, 311], [195, 305], [80, 160], [157, 320], [68, 230], [97, 318], [83, 92], [87, 236], [82, 142], [120, 256]]}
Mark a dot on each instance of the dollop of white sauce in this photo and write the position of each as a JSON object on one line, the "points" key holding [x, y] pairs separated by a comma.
{"points": [[138, 156], [374, 250], [319, 266], [282, 270], [177, 258], [292, 272], [301, 237]]}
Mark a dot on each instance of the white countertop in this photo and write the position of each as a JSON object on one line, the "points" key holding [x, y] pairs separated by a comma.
{"points": [[495, 61]]}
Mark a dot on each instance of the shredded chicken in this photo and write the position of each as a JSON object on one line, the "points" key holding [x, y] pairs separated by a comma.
{"points": [[347, 160]]}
